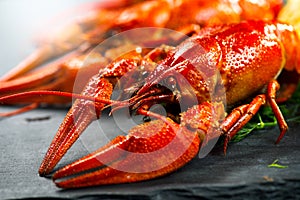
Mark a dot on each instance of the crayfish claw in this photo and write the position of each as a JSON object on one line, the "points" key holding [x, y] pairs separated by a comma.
{"points": [[82, 113], [150, 150]]}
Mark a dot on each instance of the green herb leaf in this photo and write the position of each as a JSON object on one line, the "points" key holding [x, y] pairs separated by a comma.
{"points": [[265, 117], [274, 164]]}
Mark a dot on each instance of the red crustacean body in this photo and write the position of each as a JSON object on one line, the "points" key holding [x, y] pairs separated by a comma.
{"points": [[239, 52], [226, 60], [80, 37]]}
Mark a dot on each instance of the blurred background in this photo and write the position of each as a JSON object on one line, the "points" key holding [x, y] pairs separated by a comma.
{"points": [[23, 22]]}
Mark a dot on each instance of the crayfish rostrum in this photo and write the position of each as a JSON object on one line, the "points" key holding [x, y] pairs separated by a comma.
{"points": [[243, 60]]}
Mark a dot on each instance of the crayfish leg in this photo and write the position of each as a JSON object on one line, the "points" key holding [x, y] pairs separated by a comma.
{"points": [[273, 87], [240, 116]]}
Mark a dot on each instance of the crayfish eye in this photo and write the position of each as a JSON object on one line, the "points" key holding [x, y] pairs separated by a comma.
{"points": [[171, 83], [145, 74], [146, 119]]}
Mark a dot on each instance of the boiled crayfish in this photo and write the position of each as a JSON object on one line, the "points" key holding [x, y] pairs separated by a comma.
{"points": [[238, 51], [80, 37], [224, 58]]}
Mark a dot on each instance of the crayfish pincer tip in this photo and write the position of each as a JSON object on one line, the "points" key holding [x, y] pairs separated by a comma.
{"points": [[72, 127], [45, 175], [43, 172]]}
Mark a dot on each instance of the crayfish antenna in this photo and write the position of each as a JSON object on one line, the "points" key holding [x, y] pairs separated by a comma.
{"points": [[20, 110], [40, 95], [133, 101], [44, 94], [116, 106]]}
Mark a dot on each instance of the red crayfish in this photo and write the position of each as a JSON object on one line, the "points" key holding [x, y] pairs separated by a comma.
{"points": [[223, 58], [80, 37]]}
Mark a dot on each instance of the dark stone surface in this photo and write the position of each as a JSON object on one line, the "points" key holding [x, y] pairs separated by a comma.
{"points": [[242, 173]]}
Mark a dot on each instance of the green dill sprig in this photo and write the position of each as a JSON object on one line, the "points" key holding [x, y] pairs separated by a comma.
{"points": [[254, 124], [265, 117], [275, 164]]}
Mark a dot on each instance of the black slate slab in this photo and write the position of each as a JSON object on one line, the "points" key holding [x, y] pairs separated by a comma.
{"points": [[242, 174]]}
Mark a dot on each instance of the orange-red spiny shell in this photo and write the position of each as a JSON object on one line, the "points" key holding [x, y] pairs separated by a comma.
{"points": [[248, 56]]}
